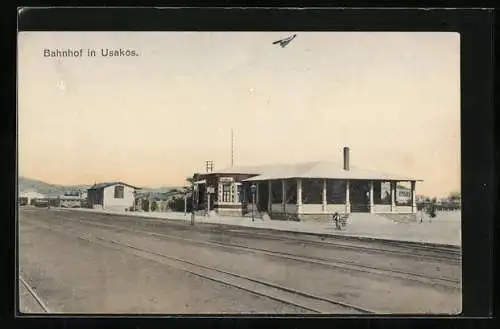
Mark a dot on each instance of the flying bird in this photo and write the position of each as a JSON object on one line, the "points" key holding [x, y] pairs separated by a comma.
{"points": [[284, 42]]}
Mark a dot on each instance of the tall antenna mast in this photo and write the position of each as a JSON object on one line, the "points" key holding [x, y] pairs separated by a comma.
{"points": [[232, 148]]}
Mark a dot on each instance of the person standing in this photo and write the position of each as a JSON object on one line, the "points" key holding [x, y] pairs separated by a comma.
{"points": [[336, 219]]}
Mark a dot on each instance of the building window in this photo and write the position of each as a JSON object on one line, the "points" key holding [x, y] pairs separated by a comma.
{"points": [[215, 196], [226, 193], [239, 193], [312, 191], [247, 193], [276, 192], [403, 194], [291, 192], [118, 192], [335, 191], [382, 192], [234, 193]]}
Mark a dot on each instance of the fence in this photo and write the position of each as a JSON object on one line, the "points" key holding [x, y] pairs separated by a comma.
{"points": [[450, 206]]}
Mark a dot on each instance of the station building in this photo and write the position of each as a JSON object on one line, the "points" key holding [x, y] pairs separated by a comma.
{"points": [[311, 190]]}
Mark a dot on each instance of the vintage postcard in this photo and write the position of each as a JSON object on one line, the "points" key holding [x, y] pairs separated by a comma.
{"points": [[239, 173]]}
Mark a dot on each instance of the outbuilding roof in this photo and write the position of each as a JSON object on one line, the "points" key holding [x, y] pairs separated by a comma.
{"points": [[31, 195], [103, 185], [317, 169], [70, 197]]}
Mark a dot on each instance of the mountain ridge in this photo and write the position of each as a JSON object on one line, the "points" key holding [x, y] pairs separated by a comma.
{"points": [[26, 184]]}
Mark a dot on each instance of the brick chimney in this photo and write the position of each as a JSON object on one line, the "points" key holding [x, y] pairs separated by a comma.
{"points": [[346, 158]]}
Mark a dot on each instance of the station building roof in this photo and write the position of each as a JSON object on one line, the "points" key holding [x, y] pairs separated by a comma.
{"points": [[313, 170]]}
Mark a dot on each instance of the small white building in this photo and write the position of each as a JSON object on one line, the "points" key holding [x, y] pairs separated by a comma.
{"points": [[29, 196], [70, 201], [115, 196]]}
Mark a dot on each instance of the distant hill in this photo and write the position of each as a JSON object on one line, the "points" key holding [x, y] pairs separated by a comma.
{"points": [[28, 184], [163, 189]]}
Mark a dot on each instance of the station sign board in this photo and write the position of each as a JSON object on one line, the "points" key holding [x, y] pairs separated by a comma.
{"points": [[226, 179]]}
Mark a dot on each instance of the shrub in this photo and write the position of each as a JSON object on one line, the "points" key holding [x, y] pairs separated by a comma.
{"points": [[178, 204], [145, 205]]}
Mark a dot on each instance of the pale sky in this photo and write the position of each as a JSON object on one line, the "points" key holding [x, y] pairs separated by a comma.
{"points": [[152, 120]]}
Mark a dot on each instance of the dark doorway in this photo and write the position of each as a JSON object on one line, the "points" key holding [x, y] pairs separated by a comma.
{"points": [[263, 198], [201, 204], [359, 192]]}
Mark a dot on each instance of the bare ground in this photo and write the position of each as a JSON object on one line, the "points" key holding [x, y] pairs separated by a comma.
{"points": [[365, 290], [74, 276]]}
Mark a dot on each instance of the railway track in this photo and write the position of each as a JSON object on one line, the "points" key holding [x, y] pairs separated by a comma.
{"points": [[40, 305], [341, 264], [406, 249], [338, 264], [289, 296], [397, 248]]}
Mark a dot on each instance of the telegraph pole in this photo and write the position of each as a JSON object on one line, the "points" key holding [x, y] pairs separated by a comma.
{"points": [[192, 202], [232, 148], [185, 203], [208, 202]]}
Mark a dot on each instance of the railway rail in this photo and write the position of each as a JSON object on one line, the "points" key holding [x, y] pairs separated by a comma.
{"points": [[338, 264], [341, 264], [289, 296], [405, 249], [41, 305]]}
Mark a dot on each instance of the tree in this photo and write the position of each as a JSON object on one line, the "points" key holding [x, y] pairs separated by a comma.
{"points": [[194, 178], [177, 204], [455, 196], [190, 180]]}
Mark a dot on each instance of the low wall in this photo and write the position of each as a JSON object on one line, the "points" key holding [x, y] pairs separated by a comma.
{"points": [[311, 209], [291, 208], [404, 209], [283, 216], [229, 212], [230, 209], [382, 208], [277, 208], [331, 208], [283, 212]]}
